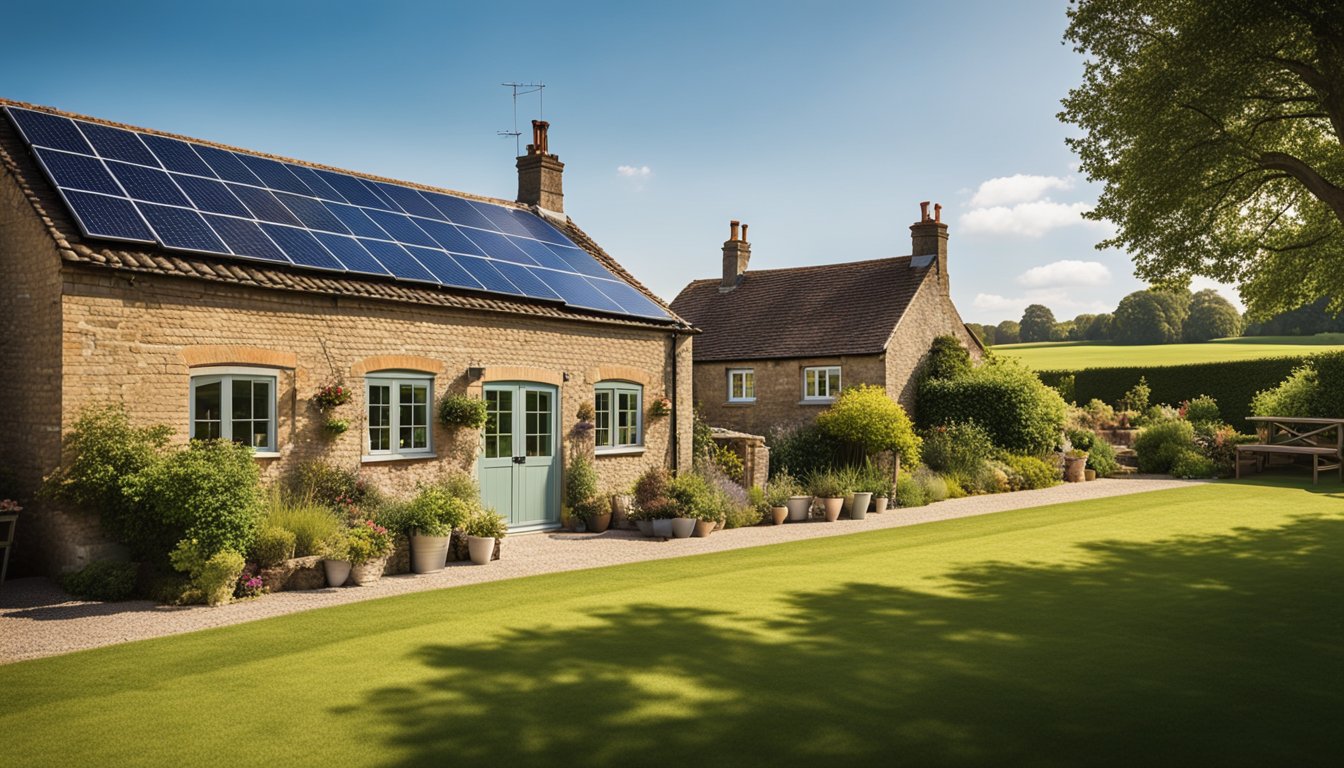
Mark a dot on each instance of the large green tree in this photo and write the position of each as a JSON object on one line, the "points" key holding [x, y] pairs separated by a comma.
{"points": [[1211, 317], [1038, 323], [1216, 127], [1150, 317], [1007, 332]]}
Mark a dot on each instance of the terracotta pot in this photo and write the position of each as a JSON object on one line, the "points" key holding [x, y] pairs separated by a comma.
{"points": [[645, 527], [682, 527], [429, 554], [1073, 468], [779, 514], [859, 509], [367, 573], [832, 508], [662, 528], [704, 527], [599, 523], [337, 571], [880, 505], [799, 507], [482, 548], [1090, 474]]}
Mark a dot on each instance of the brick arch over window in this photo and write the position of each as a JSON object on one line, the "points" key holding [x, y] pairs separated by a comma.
{"points": [[226, 354], [515, 373], [397, 363], [619, 373]]}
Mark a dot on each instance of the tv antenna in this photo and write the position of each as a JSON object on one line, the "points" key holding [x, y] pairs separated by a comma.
{"points": [[522, 89]]}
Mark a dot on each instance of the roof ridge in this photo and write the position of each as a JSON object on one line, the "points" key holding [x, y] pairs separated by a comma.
{"points": [[280, 158]]}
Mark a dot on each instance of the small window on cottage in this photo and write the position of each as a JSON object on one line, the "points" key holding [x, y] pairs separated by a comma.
{"points": [[821, 383], [741, 385], [619, 415], [234, 404], [398, 414]]}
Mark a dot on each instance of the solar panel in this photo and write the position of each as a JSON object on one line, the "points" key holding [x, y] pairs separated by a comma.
{"points": [[127, 185]]}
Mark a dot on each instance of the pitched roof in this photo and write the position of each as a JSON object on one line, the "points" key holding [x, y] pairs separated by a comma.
{"points": [[74, 248], [823, 311]]}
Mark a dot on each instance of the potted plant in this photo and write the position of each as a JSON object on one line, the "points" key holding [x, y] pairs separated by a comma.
{"points": [[777, 495], [428, 523], [335, 426], [335, 551], [683, 525], [581, 493], [881, 487], [660, 407], [331, 396], [826, 487], [369, 545], [652, 500], [858, 507], [662, 521], [1075, 462], [462, 411], [484, 529], [705, 518], [799, 502]]}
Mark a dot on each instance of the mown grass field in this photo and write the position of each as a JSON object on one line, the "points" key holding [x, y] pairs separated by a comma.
{"points": [[1076, 355], [1196, 626]]}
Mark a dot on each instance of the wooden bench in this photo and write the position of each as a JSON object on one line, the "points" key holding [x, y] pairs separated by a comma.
{"points": [[1321, 457]]}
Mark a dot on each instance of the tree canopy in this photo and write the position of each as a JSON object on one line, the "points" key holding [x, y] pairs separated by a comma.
{"points": [[1211, 317], [1150, 317], [1038, 323], [1216, 127], [1007, 332]]}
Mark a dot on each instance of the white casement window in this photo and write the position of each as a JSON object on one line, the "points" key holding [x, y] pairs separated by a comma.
{"points": [[821, 383], [398, 414], [619, 408], [741, 385], [235, 404]]}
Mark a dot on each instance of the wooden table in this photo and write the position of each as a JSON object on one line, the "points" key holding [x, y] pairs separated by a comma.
{"points": [[1321, 439]]}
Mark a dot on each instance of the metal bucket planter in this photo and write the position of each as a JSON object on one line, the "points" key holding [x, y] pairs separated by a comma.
{"points": [[682, 527], [429, 554], [880, 505], [337, 571], [645, 527], [481, 549], [662, 528], [799, 507], [859, 509], [832, 507], [779, 514]]}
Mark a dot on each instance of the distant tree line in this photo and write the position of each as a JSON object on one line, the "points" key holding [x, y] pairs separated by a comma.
{"points": [[1149, 316]]}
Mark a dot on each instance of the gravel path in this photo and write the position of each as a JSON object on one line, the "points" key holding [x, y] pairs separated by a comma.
{"points": [[38, 619]]}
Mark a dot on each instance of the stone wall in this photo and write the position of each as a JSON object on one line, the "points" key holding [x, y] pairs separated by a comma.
{"points": [[779, 391], [931, 314]]}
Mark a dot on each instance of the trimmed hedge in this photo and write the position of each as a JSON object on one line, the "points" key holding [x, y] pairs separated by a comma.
{"points": [[1232, 383]]}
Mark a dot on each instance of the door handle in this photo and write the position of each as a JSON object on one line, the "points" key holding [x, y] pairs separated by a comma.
{"points": [[519, 459]]}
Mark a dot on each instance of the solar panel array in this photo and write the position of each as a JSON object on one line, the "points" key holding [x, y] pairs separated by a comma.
{"points": [[144, 188]]}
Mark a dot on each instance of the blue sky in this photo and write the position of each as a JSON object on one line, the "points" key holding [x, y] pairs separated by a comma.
{"points": [[821, 125]]}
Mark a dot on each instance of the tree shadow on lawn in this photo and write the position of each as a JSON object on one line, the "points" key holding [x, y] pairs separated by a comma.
{"points": [[1220, 650]]}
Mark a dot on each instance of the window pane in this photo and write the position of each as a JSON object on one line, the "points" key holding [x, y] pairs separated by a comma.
{"points": [[833, 382], [242, 400], [749, 385], [206, 418], [261, 399], [380, 417], [538, 424], [498, 424], [603, 410]]}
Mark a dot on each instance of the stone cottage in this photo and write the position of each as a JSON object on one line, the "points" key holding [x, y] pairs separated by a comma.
{"points": [[216, 290], [777, 345]]}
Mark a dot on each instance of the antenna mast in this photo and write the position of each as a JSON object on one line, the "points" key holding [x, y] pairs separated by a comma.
{"points": [[522, 89]]}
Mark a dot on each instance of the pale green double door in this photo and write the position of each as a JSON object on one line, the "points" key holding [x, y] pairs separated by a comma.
{"points": [[520, 457]]}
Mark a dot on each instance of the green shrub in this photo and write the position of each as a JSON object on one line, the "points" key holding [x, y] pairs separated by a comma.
{"points": [[1101, 458], [866, 420], [367, 541], [1296, 396], [779, 490], [802, 451], [1160, 444], [1021, 414], [932, 486], [99, 453], [462, 411], [742, 516], [213, 574], [1081, 439], [209, 492], [1330, 374], [947, 359], [485, 522], [653, 495], [1191, 463], [1201, 410], [826, 485], [1025, 473], [273, 546], [103, 580], [1137, 398], [1231, 383], [1218, 443], [727, 460], [333, 487], [908, 493], [1098, 415], [581, 485], [433, 512], [959, 448], [310, 522]]}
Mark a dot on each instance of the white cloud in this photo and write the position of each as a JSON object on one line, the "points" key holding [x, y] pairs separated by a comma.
{"points": [[1027, 219], [634, 171], [1064, 304], [1018, 188], [1065, 272], [992, 302]]}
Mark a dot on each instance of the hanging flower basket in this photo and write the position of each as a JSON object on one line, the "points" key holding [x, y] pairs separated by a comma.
{"points": [[336, 426], [330, 396], [660, 407], [462, 411]]}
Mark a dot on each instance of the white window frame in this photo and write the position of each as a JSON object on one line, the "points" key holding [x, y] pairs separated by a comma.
{"points": [[743, 372], [393, 380], [823, 376], [225, 376], [614, 389]]}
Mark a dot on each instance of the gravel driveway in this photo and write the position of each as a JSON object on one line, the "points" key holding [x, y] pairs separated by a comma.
{"points": [[38, 619]]}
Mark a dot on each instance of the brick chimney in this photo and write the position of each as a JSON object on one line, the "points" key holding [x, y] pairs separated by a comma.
{"points": [[539, 173], [928, 241], [736, 254]]}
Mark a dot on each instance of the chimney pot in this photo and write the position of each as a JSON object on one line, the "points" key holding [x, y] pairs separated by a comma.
{"points": [[928, 242], [744, 233], [732, 230], [937, 211], [540, 174], [924, 211]]}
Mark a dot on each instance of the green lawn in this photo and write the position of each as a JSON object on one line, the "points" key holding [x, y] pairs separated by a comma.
{"points": [[1198, 626], [1075, 355]]}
